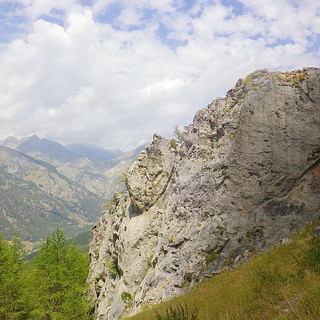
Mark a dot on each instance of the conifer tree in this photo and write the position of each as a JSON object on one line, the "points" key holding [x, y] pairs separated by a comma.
{"points": [[13, 302], [58, 281]]}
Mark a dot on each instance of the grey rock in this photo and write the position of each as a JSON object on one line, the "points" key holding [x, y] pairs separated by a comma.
{"points": [[245, 174], [316, 232], [148, 178], [285, 240]]}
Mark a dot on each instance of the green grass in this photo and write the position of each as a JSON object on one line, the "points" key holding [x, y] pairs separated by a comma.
{"points": [[281, 284]]}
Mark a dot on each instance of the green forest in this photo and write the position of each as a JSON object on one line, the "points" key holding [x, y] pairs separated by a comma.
{"points": [[52, 286]]}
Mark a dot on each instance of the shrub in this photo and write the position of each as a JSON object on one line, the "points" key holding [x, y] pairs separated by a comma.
{"points": [[211, 256], [179, 134], [180, 312], [126, 296], [154, 232], [173, 144], [114, 269]]}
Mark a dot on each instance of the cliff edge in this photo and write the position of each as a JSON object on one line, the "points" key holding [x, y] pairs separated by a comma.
{"points": [[242, 177]]}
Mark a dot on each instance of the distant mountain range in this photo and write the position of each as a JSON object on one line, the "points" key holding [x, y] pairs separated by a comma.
{"points": [[93, 152], [57, 154], [100, 177], [44, 184]]}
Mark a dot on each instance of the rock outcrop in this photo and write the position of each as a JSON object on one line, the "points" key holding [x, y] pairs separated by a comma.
{"points": [[244, 175]]}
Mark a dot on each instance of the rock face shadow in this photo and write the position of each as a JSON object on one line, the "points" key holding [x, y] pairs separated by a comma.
{"points": [[133, 211]]}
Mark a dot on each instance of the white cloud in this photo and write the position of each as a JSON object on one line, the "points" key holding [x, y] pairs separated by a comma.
{"points": [[36, 8], [89, 81]]}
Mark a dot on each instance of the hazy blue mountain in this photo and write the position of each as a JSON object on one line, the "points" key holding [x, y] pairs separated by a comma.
{"points": [[55, 153], [47, 150], [93, 152]]}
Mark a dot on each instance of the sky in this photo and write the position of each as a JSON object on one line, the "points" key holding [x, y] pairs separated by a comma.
{"points": [[113, 73]]}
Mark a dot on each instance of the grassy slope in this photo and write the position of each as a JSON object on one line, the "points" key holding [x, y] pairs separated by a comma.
{"points": [[283, 283]]}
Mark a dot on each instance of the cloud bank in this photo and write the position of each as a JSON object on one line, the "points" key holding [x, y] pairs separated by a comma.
{"points": [[114, 72]]}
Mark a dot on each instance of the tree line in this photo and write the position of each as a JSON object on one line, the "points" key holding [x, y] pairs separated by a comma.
{"points": [[52, 286]]}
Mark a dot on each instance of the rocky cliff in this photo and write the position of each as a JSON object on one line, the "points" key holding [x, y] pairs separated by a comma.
{"points": [[244, 175]]}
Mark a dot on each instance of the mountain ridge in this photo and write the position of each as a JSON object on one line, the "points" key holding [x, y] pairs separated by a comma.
{"points": [[55, 153], [33, 189], [53, 192], [95, 168]]}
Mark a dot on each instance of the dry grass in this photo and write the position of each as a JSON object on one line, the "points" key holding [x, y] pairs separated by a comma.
{"points": [[281, 284]]}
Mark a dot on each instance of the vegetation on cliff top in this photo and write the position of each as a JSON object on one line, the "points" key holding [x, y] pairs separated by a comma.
{"points": [[283, 283]]}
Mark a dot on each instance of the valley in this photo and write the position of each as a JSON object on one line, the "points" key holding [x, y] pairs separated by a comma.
{"points": [[45, 184]]}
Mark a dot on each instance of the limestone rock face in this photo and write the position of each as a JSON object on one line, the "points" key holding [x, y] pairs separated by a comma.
{"points": [[245, 174], [148, 178]]}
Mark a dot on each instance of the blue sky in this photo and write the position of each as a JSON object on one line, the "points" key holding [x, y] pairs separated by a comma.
{"points": [[15, 20], [114, 72]]}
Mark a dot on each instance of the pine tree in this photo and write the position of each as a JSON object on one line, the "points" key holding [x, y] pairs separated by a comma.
{"points": [[58, 281], [13, 304]]}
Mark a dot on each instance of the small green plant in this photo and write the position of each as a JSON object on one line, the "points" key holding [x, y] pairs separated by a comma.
{"points": [[185, 284], [114, 269], [180, 312], [224, 172], [108, 204], [154, 232], [149, 260], [309, 87], [302, 76], [179, 134], [248, 79], [211, 256], [123, 177], [170, 238], [251, 76], [126, 296], [173, 144], [254, 233], [221, 230]]}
